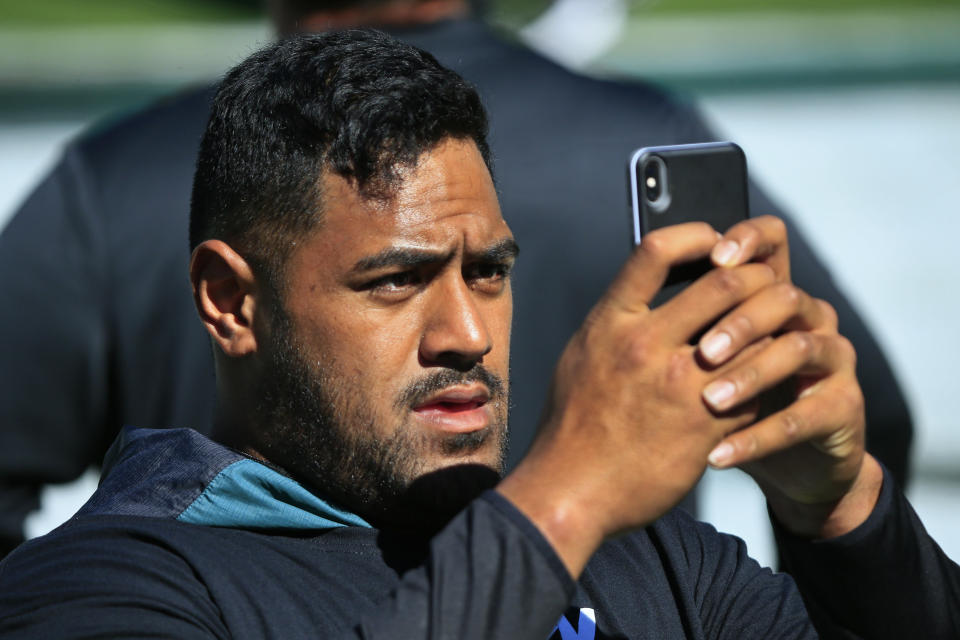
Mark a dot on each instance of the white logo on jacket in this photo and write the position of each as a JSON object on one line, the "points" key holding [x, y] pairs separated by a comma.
{"points": [[586, 627]]}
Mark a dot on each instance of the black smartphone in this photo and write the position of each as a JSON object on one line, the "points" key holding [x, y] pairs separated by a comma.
{"points": [[687, 183], [704, 182]]}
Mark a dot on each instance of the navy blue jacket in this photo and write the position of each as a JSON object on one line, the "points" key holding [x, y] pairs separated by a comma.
{"points": [[188, 539]]}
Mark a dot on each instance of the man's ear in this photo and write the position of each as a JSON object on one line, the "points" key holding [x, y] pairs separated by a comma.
{"points": [[224, 291]]}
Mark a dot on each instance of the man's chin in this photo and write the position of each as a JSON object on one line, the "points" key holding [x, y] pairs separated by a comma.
{"points": [[481, 446], [457, 469], [430, 501]]}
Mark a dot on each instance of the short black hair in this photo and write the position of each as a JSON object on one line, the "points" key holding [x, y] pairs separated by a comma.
{"points": [[357, 103]]}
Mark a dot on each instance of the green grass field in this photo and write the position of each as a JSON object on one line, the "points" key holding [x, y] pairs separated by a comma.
{"points": [[87, 12], [712, 6], [514, 11], [67, 12]]}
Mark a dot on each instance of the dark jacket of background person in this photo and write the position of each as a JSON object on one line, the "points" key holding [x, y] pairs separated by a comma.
{"points": [[99, 326]]}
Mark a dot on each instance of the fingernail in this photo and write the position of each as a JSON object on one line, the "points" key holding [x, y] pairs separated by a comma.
{"points": [[715, 345], [718, 393], [723, 253], [720, 454]]}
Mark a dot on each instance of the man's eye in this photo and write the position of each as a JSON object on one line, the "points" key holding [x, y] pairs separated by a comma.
{"points": [[394, 281], [488, 272], [494, 270]]}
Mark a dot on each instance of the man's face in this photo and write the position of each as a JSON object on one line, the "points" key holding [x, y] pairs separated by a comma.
{"points": [[389, 359]]}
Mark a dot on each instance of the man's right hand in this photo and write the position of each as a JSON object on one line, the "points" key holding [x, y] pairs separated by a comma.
{"points": [[625, 433]]}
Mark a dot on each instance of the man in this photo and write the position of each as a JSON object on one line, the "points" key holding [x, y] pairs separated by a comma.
{"points": [[96, 253], [352, 267]]}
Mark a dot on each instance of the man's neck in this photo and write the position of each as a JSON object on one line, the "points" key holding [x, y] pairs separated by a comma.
{"points": [[401, 13]]}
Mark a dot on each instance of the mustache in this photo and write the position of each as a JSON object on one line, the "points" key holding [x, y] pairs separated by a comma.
{"points": [[420, 390]]}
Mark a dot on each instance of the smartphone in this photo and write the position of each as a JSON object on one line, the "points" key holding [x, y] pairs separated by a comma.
{"points": [[687, 183], [692, 183]]}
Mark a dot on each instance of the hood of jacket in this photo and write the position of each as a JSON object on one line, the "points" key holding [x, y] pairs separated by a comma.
{"points": [[183, 475]]}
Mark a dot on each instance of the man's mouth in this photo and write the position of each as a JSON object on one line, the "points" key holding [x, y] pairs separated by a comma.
{"points": [[457, 409]]}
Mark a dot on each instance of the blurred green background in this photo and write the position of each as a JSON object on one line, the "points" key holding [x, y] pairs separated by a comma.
{"points": [[77, 12], [88, 12], [86, 56]]}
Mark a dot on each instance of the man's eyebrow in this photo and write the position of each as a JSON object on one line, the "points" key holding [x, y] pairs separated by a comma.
{"points": [[400, 257], [408, 257], [502, 251]]}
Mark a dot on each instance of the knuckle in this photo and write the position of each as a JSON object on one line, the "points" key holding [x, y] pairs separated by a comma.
{"points": [[678, 368], [654, 245], [847, 404], [828, 312], [789, 294], [852, 397], [768, 274], [846, 350], [745, 379], [792, 425], [638, 352], [740, 326], [857, 404], [609, 306], [727, 281], [748, 445], [776, 225], [802, 343], [748, 231], [606, 329]]}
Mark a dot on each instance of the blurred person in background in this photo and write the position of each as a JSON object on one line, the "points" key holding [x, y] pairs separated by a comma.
{"points": [[100, 326]]}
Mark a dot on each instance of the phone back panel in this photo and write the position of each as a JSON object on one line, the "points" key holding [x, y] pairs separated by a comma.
{"points": [[704, 182]]}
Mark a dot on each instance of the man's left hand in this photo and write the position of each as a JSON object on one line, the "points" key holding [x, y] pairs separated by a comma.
{"points": [[808, 457]]}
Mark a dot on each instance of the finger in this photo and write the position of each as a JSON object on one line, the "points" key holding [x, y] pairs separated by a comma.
{"points": [[828, 320], [761, 239], [818, 317], [715, 292], [780, 307], [646, 269], [822, 417], [797, 353]]}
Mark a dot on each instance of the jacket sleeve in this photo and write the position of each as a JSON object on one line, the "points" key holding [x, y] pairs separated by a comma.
{"points": [[719, 586], [55, 362], [885, 579]]}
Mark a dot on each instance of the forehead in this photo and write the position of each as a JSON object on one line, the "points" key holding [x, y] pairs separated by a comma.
{"points": [[447, 199]]}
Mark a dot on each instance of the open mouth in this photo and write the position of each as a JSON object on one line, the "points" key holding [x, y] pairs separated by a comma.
{"points": [[456, 409], [451, 407]]}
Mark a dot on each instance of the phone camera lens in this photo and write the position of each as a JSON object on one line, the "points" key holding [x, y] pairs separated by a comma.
{"points": [[651, 180]]}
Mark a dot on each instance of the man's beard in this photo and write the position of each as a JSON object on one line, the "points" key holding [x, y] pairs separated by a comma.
{"points": [[312, 427]]}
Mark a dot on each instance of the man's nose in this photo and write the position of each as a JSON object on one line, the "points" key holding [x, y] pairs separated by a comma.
{"points": [[455, 334]]}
